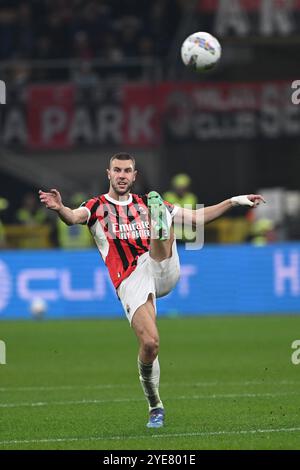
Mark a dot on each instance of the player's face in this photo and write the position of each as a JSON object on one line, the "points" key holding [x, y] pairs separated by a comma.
{"points": [[122, 176]]}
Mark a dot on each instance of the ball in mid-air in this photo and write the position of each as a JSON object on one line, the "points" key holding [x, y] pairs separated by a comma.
{"points": [[201, 51]]}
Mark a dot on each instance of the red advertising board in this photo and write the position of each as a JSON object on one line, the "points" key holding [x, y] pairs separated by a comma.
{"points": [[147, 115], [203, 111], [142, 114], [49, 111]]}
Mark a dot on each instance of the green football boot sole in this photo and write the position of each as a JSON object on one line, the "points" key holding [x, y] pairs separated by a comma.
{"points": [[158, 215]]}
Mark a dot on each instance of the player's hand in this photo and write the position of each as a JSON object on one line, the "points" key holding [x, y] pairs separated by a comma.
{"points": [[52, 200], [251, 200]]}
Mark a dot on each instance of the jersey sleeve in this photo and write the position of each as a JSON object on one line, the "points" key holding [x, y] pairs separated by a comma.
{"points": [[171, 208], [91, 207]]}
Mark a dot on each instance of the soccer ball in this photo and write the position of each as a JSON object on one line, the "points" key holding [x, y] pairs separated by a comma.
{"points": [[201, 51], [38, 308]]}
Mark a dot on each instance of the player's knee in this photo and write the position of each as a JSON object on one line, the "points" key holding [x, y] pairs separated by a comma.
{"points": [[151, 346]]}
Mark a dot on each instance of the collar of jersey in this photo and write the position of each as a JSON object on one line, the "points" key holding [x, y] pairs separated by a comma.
{"points": [[119, 203]]}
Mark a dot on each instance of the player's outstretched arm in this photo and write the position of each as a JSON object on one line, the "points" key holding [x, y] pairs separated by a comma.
{"points": [[213, 212], [52, 200], [210, 213]]}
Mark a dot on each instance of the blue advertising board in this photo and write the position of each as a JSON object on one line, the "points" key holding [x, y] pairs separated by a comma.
{"points": [[215, 280]]}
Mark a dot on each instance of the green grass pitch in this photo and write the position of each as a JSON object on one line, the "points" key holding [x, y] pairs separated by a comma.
{"points": [[226, 382]]}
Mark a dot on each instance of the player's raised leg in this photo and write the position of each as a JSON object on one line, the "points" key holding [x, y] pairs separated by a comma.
{"points": [[144, 326], [162, 233]]}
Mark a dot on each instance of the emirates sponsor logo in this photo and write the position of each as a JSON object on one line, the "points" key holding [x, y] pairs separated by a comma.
{"points": [[133, 230]]}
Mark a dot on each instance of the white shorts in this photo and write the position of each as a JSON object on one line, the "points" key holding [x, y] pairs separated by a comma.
{"points": [[149, 277]]}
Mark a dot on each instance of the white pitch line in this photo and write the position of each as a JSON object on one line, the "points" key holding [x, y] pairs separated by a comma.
{"points": [[150, 436], [125, 400], [65, 387], [164, 384], [69, 402]]}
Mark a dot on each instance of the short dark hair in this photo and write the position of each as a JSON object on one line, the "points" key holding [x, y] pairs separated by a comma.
{"points": [[122, 156]]}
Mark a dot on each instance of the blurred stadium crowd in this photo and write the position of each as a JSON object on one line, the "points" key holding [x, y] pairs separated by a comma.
{"points": [[43, 30]]}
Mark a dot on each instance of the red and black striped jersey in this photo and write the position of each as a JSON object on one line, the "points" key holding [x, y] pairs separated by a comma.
{"points": [[121, 230]]}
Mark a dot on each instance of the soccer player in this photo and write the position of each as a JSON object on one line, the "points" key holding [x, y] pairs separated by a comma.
{"points": [[135, 237]]}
